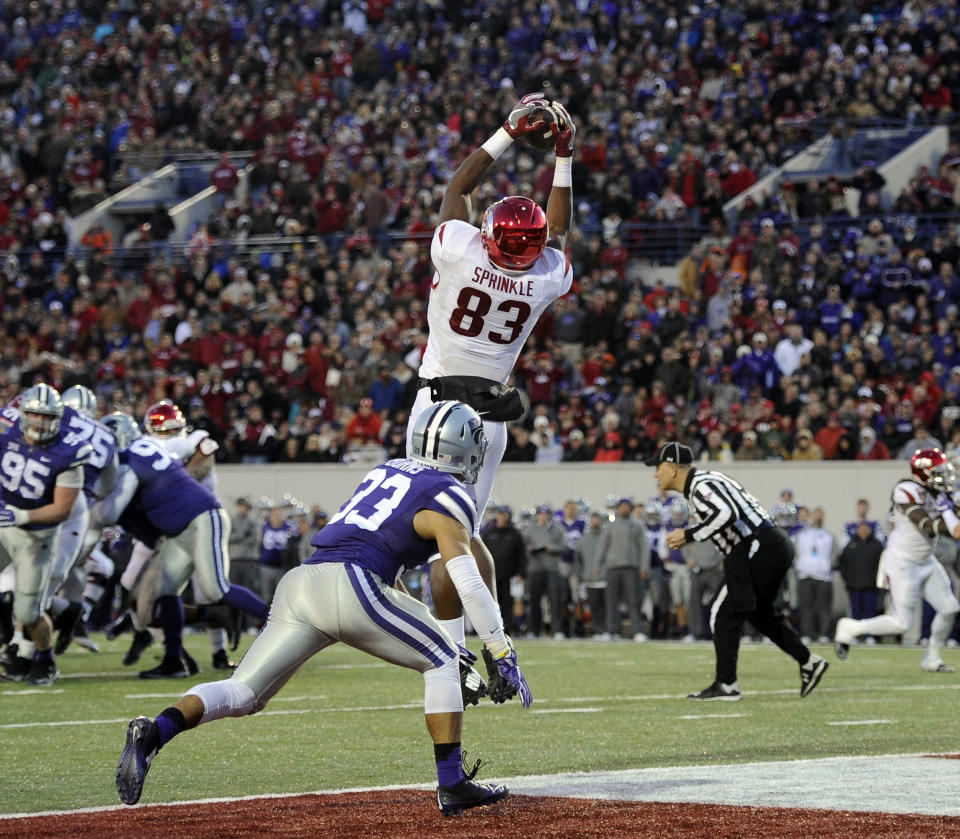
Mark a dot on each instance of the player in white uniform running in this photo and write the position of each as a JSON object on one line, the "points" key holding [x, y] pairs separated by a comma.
{"points": [[923, 508], [490, 286]]}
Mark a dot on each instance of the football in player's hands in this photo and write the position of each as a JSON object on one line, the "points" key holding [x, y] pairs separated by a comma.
{"points": [[542, 138]]}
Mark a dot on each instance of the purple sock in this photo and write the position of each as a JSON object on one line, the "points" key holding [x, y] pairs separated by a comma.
{"points": [[245, 600], [170, 607], [170, 723], [449, 763]]}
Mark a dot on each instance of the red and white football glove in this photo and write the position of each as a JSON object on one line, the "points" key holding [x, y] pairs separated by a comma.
{"points": [[563, 130], [518, 123]]}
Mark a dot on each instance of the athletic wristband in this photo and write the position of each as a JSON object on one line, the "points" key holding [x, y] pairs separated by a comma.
{"points": [[561, 171], [498, 143], [478, 603]]}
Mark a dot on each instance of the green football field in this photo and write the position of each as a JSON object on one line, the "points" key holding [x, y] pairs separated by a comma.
{"points": [[346, 720]]}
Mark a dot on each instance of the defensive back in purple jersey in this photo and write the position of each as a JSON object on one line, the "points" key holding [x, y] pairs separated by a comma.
{"points": [[28, 473], [374, 529], [169, 496], [76, 428]]}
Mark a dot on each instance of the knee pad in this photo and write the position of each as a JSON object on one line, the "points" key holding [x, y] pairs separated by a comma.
{"points": [[441, 689], [227, 698]]}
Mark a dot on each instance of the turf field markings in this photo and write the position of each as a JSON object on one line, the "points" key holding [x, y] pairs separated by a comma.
{"points": [[862, 722], [180, 693], [568, 711], [30, 692], [567, 700], [711, 716]]}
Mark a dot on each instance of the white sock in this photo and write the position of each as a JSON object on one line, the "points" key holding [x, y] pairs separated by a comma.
{"points": [[455, 630], [880, 625], [940, 628], [217, 638]]}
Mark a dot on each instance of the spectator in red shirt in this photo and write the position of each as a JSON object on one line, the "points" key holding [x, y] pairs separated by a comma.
{"points": [[740, 249], [611, 449], [224, 178], [208, 346], [541, 378], [163, 353], [365, 425], [829, 436], [140, 309], [870, 447], [615, 257]]}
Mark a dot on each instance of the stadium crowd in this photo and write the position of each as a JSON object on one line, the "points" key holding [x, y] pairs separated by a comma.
{"points": [[800, 333]]}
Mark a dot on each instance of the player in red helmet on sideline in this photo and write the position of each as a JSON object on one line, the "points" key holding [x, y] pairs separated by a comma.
{"points": [[924, 507], [490, 287]]}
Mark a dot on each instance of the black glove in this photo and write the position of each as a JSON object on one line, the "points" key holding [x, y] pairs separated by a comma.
{"points": [[498, 688]]}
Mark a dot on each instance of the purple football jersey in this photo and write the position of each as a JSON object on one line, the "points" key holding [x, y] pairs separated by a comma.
{"points": [[77, 428], [374, 529], [28, 474], [169, 496]]}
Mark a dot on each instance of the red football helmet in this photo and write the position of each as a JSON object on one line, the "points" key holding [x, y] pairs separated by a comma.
{"points": [[164, 419], [932, 469], [514, 232]]}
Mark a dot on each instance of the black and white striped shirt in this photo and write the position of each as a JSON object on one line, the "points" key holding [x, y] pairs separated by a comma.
{"points": [[726, 513]]}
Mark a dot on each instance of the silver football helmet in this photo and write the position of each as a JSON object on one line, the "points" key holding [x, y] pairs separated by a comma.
{"points": [[82, 400], [653, 512], [41, 409], [124, 428], [449, 436], [784, 514], [679, 513]]}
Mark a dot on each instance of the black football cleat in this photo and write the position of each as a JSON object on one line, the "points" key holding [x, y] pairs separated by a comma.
{"points": [[65, 623], [811, 673], [142, 639], [43, 673], [172, 667], [17, 668], [467, 794], [190, 661], [124, 623], [221, 661], [138, 754]]}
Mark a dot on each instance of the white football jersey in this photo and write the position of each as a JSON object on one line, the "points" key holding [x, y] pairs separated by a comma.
{"points": [[479, 315], [185, 447], [905, 540]]}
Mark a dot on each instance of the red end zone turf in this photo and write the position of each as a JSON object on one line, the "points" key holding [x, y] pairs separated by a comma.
{"points": [[412, 814]]}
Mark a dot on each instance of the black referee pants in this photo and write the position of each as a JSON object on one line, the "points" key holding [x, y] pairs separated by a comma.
{"points": [[769, 555]]}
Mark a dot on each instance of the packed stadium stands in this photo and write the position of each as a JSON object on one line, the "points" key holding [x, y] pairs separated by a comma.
{"points": [[794, 315]]}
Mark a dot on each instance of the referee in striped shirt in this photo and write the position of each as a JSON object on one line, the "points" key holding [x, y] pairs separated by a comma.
{"points": [[756, 557]]}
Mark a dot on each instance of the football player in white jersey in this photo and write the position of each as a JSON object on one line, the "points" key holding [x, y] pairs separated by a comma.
{"points": [[490, 286], [923, 508]]}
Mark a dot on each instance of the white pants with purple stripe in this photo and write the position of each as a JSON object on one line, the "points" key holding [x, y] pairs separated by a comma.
{"points": [[317, 605], [200, 549]]}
